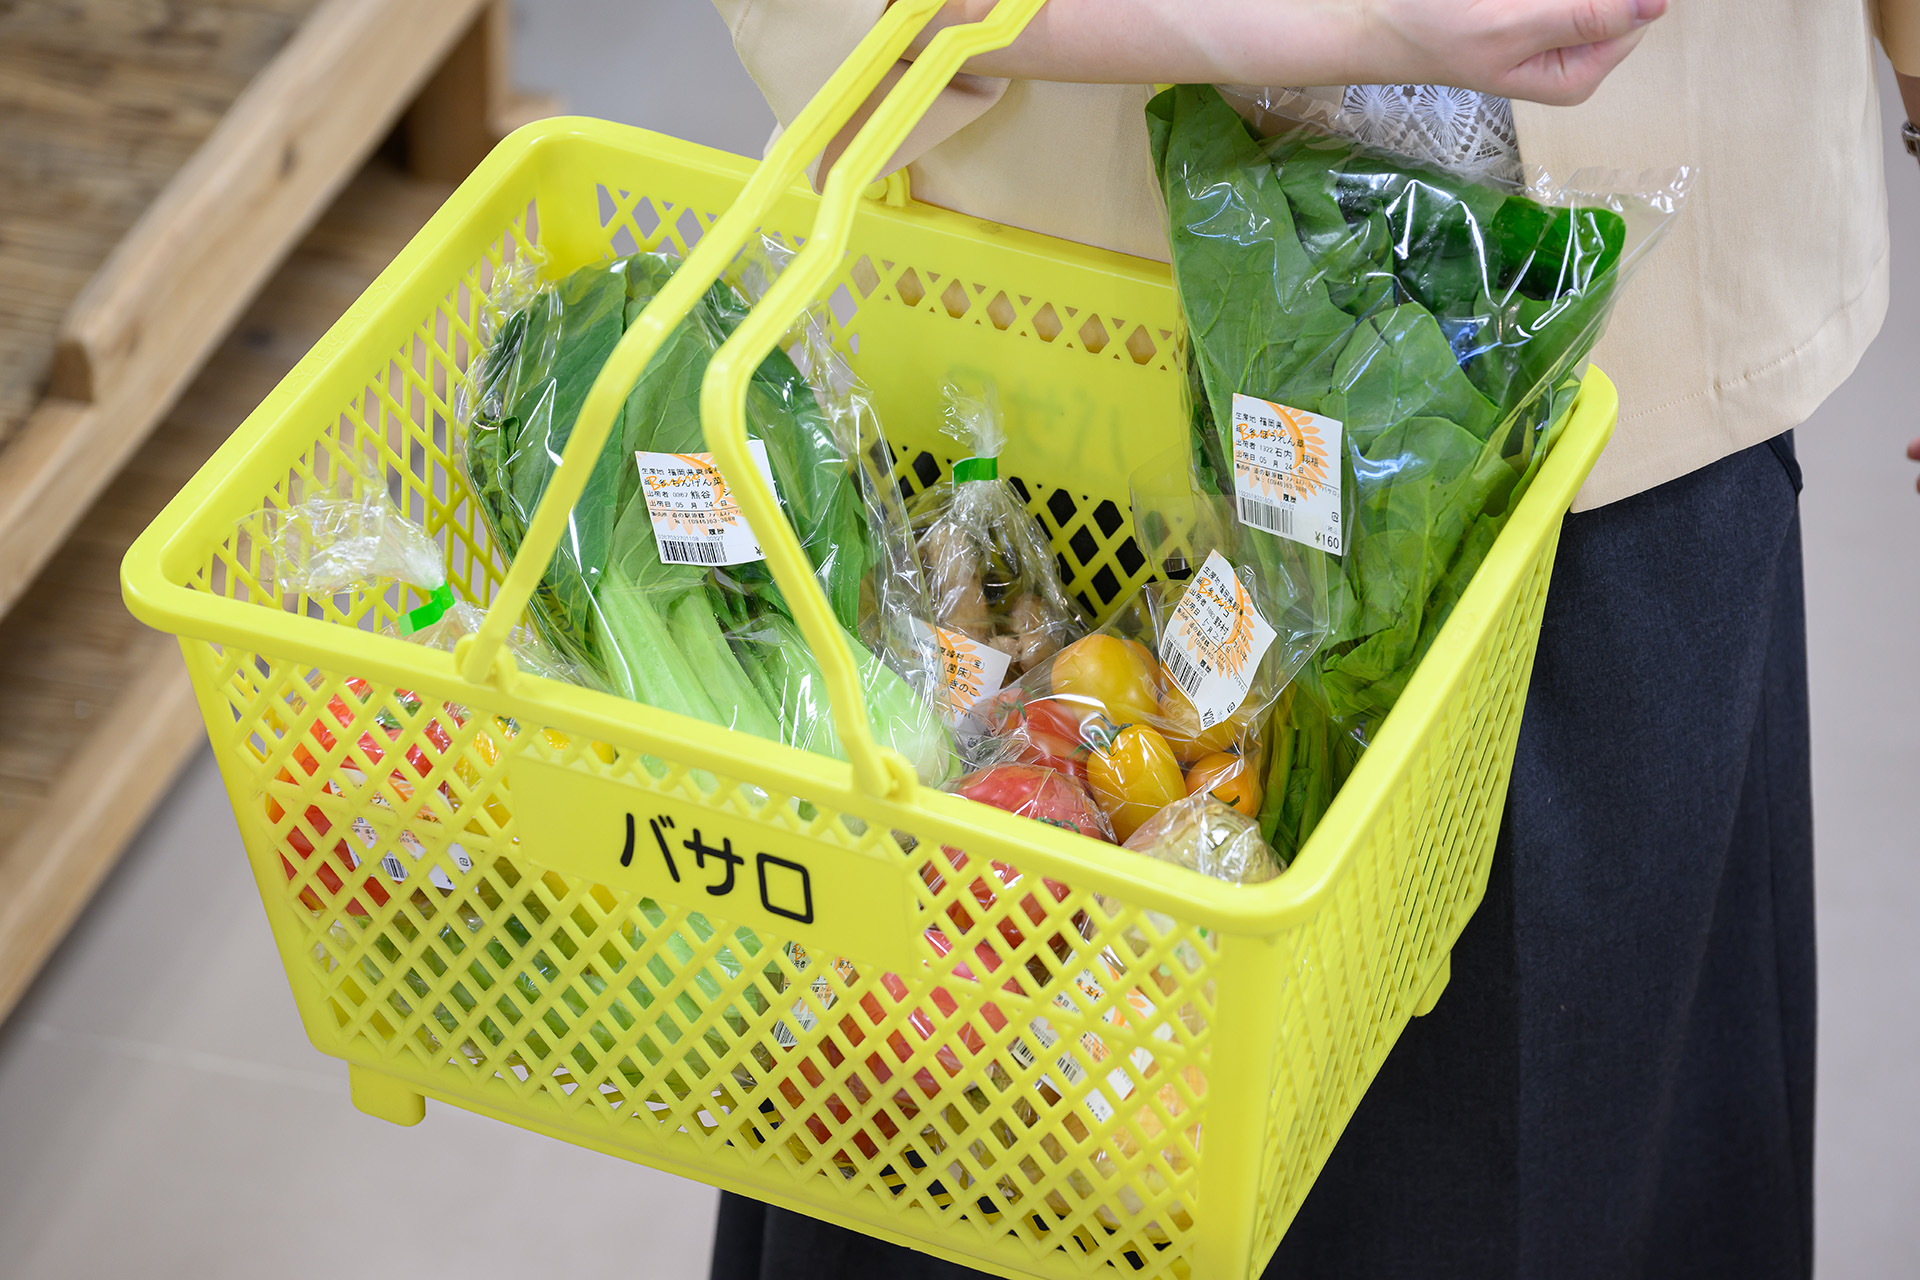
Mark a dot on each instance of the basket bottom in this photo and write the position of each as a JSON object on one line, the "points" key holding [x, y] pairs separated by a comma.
{"points": [[382, 1096]]}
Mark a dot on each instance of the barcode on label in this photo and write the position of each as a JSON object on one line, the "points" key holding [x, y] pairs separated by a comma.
{"points": [[1270, 516], [685, 551], [1185, 674]]}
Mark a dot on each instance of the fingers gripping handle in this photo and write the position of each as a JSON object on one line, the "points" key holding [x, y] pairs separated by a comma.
{"points": [[878, 771], [483, 656]]}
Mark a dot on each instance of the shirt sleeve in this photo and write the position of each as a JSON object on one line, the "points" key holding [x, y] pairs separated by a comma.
{"points": [[1897, 23], [791, 47]]}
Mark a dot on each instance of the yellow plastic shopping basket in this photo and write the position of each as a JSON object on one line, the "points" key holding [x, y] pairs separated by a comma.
{"points": [[769, 970]]}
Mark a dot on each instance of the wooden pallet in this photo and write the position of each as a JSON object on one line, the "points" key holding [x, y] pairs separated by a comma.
{"points": [[166, 287], [96, 716], [103, 103]]}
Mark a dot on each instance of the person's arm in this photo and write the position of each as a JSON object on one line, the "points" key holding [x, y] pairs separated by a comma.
{"points": [[1551, 51], [1897, 23], [1910, 94]]}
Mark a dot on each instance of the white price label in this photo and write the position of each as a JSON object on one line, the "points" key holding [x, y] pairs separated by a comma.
{"points": [[696, 519], [1286, 472], [970, 671], [1214, 641]]}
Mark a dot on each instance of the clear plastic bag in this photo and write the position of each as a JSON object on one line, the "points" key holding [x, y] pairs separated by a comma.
{"points": [[341, 544], [333, 544], [1173, 695], [659, 590], [1041, 792], [1202, 833], [894, 590], [329, 545], [1458, 130], [786, 679], [1379, 354], [991, 576]]}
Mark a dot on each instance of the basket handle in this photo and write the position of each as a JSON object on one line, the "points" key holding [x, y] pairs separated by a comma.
{"points": [[878, 771], [484, 655]]}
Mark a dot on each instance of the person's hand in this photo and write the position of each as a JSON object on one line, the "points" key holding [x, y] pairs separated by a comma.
{"points": [[1553, 51]]}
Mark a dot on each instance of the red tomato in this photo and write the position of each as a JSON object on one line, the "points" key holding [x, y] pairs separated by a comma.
{"points": [[1041, 730], [1039, 792]]}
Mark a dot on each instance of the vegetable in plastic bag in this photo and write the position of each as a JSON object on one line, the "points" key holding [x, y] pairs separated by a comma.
{"points": [[1434, 321], [1040, 792], [327, 545], [1202, 834], [641, 596], [1174, 692], [990, 573], [331, 545]]}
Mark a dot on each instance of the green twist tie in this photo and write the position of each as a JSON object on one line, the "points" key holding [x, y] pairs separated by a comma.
{"points": [[976, 469], [429, 613]]}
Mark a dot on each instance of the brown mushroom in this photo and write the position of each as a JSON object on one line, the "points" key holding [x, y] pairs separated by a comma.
{"points": [[1035, 629], [953, 573]]}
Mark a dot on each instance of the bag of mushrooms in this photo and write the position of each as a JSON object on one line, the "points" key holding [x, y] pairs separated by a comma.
{"points": [[991, 576]]}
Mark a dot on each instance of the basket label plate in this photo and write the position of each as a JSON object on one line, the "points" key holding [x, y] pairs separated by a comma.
{"points": [[782, 883]]}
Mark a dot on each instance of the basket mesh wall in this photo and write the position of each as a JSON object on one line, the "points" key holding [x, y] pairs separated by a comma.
{"points": [[1366, 958], [1041, 1079]]}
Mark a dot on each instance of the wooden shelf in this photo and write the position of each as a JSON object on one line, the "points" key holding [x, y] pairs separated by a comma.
{"points": [[170, 272], [104, 103], [96, 716]]}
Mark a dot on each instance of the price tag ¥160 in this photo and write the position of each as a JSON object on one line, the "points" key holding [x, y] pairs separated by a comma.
{"points": [[1286, 472]]}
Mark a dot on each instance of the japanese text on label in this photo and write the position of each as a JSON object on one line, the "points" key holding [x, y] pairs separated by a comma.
{"points": [[969, 670], [786, 886], [1214, 642], [696, 518], [1286, 472]]}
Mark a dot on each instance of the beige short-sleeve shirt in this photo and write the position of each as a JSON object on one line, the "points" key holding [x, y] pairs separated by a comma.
{"points": [[1757, 306]]}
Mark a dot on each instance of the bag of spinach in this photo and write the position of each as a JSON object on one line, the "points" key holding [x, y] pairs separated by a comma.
{"points": [[1380, 355]]}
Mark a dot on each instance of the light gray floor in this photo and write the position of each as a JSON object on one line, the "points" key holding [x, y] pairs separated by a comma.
{"points": [[161, 1113], [1862, 529]]}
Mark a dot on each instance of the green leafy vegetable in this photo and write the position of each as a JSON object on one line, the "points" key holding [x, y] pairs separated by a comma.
{"points": [[667, 634], [1435, 318]]}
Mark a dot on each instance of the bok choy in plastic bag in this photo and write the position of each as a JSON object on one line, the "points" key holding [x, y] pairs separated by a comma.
{"points": [[658, 566]]}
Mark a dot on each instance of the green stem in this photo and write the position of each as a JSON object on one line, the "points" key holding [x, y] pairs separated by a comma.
{"points": [[735, 698]]}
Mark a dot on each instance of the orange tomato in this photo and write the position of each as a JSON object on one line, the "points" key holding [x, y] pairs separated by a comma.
{"points": [[1179, 721], [1148, 659], [1227, 778], [1134, 778], [1109, 675]]}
